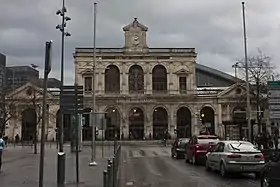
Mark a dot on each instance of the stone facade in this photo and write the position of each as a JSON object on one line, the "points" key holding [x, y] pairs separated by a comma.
{"points": [[177, 63], [25, 105]]}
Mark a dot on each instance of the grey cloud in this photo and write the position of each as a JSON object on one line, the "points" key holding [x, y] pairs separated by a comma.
{"points": [[214, 28]]}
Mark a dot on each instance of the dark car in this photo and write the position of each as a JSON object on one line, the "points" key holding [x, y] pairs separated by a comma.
{"points": [[198, 147], [270, 175], [178, 149]]}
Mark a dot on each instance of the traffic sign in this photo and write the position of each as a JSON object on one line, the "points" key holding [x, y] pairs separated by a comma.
{"points": [[273, 84], [274, 100], [70, 97]]}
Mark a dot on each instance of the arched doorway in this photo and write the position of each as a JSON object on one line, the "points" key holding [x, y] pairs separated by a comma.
{"points": [[159, 78], [66, 126], [136, 124], [112, 79], [207, 116], [160, 123], [136, 79], [184, 119], [113, 124], [87, 129], [29, 124]]}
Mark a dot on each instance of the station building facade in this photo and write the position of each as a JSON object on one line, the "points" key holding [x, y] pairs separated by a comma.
{"points": [[146, 91]]}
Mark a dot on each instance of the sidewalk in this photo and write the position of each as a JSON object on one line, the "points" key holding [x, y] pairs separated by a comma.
{"points": [[21, 167]]}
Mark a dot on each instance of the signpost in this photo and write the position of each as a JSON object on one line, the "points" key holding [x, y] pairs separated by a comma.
{"points": [[72, 103], [274, 103]]}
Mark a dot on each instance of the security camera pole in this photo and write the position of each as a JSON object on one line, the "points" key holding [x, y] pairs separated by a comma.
{"points": [[43, 130], [61, 154], [93, 162]]}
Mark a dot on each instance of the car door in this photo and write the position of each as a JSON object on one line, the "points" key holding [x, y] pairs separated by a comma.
{"points": [[274, 174], [211, 156], [218, 155]]}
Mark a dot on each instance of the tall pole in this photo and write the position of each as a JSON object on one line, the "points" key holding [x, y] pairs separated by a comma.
{"points": [[43, 129], [93, 150], [247, 75], [61, 80], [61, 155]]}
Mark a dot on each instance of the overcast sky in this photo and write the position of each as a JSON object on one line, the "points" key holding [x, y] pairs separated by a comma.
{"points": [[213, 27]]}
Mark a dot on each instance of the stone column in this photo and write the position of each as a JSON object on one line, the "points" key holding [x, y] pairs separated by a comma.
{"points": [[102, 86], [100, 83], [149, 83], [172, 125], [228, 113], [124, 83]]}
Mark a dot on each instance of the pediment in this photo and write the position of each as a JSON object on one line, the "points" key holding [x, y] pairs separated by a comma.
{"points": [[236, 90], [182, 72], [87, 71], [27, 91], [134, 24]]}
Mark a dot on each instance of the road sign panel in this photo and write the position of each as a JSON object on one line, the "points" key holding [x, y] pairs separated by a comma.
{"points": [[273, 84], [274, 99]]}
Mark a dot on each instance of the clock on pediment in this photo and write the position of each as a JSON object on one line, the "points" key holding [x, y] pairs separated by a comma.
{"points": [[135, 36]]}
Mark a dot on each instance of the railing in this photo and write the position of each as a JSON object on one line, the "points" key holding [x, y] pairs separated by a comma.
{"points": [[110, 175]]}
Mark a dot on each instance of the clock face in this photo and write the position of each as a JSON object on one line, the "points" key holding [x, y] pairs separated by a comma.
{"points": [[135, 40]]}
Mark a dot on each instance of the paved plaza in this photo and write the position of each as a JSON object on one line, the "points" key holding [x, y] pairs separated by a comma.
{"points": [[21, 167]]}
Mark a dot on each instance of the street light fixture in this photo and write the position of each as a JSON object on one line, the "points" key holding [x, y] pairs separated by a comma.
{"points": [[61, 154]]}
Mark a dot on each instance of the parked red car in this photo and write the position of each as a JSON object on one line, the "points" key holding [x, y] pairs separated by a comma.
{"points": [[198, 146]]}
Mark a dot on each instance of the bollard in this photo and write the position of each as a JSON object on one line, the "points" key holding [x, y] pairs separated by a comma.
{"points": [[109, 178], [109, 161], [114, 171], [105, 178]]}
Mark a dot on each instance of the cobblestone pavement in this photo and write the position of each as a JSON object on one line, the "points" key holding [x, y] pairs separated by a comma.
{"points": [[21, 166]]}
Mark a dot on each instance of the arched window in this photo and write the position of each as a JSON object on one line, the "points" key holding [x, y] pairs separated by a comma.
{"points": [[112, 79], [159, 79], [136, 79]]}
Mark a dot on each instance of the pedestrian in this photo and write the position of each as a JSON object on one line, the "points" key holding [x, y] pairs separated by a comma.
{"points": [[2, 145]]}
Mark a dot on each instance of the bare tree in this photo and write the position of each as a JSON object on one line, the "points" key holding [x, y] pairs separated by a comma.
{"points": [[35, 104], [261, 70], [7, 110]]}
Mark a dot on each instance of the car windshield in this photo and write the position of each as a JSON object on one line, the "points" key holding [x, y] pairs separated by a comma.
{"points": [[243, 147]]}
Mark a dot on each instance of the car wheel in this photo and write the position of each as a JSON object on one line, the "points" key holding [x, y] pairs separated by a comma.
{"points": [[207, 165], [223, 171], [265, 182]]}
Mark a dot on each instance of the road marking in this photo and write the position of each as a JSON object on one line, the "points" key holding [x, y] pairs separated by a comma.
{"points": [[129, 184]]}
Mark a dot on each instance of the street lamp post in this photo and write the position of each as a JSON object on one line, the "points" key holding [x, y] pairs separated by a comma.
{"points": [[61, 154], [247, 74], [93, 154]]}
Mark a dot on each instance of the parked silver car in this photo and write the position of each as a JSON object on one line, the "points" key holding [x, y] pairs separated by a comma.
{"points": [[235, 156]]}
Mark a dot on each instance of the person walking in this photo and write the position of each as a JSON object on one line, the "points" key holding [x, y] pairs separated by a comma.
{"points": [[2, 145]]}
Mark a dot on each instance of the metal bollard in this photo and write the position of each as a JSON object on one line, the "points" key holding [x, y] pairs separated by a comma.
{"points": [[109, 161], [105, 178], [114, 171], [109, 169]]}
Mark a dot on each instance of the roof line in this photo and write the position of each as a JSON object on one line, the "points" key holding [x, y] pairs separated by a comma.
{"points": [[217, 72]]}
